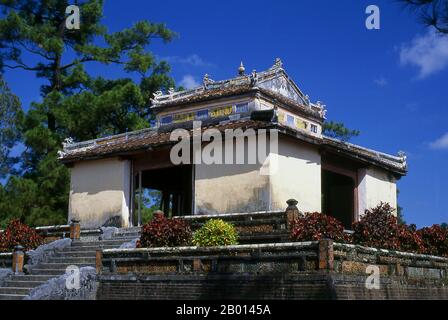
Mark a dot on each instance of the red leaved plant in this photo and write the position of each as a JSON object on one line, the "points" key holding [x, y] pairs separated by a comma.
{"points": [[379, 228], [18, 233], [163, 232], [317, 226], [435, 239]]}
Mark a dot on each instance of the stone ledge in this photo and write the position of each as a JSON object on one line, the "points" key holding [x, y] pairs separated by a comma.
{"points": [[223, 249], [269, 214], [362, 249]]}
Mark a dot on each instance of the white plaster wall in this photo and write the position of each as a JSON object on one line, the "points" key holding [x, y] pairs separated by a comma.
{"points": [[295, 172], [298, 176], [99, 190], [375, 186], [231, 188]]}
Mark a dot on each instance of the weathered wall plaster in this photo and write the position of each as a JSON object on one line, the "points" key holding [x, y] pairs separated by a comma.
{"points": [[99, 191]]}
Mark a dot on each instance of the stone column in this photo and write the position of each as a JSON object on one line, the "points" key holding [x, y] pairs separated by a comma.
{"points": [[197, 265], [326, 255], [292, 213], [18, 260], [99, 261], [75, 230]]}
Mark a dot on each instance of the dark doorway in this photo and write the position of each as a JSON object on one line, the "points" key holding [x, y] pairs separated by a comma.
{"points": [[338, 197], [168, 189]]}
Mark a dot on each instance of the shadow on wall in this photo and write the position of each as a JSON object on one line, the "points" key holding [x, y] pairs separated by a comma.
{"points": [[292, 148]]}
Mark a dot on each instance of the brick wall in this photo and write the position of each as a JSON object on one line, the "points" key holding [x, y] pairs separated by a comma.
{"points": [[306, 286]]}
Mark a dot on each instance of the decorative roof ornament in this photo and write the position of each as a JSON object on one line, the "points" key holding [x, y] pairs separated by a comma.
{"points": [[403, 156], [171, 92], [278, 64], [253, 77], [68, 142], [207, 81], [323, 113], [241, 69], [307, 100], [156, 97], [61, 154], [322, 110]]}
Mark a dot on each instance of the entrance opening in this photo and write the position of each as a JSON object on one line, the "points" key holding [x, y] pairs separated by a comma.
{"points": [[338, 197], [169, 190]]}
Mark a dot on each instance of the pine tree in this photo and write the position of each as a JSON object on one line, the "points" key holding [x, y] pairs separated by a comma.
{"points": [[338, 130], [433, 13], [10, 115], [34, 37]]}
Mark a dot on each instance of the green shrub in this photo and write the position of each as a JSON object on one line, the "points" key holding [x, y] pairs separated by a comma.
{"points": [[215, 233]]}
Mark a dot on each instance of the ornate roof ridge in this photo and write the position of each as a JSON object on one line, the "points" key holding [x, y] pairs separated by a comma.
{"points": [[241, 80]]}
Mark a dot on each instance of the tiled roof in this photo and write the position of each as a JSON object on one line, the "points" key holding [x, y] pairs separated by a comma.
{"points": [[138, 141], [145, 139], [395, 163], [204, 95]]}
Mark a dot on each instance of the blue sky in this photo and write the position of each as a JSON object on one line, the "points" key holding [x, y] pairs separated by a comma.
{"points": [[391, 83]]}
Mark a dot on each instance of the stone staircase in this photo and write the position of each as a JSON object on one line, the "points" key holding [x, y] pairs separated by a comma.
{"points": [[81, 254]]}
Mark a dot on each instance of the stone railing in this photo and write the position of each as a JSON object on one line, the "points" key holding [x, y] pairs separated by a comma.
{"points": [[355, 259], [284, 257], [293, 257], [52, 233], [248, 223]]}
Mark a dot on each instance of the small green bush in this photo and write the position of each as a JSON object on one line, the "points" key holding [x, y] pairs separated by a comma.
{"points": [[215, 233]]}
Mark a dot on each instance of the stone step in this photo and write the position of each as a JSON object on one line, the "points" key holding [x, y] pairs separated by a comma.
{"points": [[23, 284], [14, 290], [12, 296], [73, 260], [127, 233], [90, 248], [33, 278], [45, 272], [62, 266], [127, 239], [97, 243], [129, 230], [73, 254]]}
